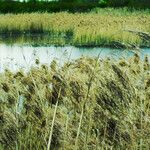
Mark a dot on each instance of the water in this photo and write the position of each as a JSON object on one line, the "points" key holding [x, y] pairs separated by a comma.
{"points": [[15, 57]]}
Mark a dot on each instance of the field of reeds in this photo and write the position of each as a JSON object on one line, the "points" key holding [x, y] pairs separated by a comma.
{"points": [[90, 103], [100, 27]]}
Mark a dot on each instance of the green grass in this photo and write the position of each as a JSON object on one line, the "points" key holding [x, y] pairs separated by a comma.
{"points": [[86, 104], [100, 27]]}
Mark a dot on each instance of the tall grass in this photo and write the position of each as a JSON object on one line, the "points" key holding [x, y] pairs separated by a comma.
{"points": [[99, 27], [86, 104]]}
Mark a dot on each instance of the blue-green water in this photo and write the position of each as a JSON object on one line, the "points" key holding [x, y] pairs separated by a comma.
{"points": [[15, 57]]}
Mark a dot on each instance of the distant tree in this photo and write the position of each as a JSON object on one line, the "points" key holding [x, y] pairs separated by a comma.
{"points": [[33, 1], [79, 0], [67, 1], [6, 0]]}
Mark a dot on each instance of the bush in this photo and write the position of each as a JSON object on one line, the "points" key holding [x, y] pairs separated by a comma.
{"points": [[118, 3], [67, 5], [18, 7], [129, 3]]}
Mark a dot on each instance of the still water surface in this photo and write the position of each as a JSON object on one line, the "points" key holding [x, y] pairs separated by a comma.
{"points": [[15, 57]]}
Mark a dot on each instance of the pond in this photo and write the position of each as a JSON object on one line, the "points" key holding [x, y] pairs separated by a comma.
{"points": [[16, 56]]}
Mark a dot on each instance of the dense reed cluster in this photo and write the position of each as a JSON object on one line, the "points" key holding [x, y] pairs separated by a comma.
{"points": [[101, 27], [89, 103]]}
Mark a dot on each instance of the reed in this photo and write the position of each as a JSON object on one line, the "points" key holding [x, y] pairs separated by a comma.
{"points": [[100, 27], [85, 104]]}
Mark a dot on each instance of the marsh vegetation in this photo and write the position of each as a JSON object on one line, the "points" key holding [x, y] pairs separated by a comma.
{"points": [[77, 102], [90, 103], [100, 27]]}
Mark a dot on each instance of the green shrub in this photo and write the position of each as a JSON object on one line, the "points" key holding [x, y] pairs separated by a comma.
{"points": [[18, 7], [129, 3], [118, 3]]}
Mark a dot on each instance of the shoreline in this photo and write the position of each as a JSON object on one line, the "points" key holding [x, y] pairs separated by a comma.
{"points": [[48, 40], [99, 27]]}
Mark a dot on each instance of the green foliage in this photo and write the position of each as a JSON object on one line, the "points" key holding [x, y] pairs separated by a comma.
{"points": [[67, 5], [129, 3], [31, 6]]}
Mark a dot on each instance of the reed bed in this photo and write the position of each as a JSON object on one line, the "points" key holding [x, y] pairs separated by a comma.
{"points": [[100, 27], [89, 103]]}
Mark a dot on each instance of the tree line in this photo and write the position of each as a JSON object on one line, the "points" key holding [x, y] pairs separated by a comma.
{"points": [[11, 6]]}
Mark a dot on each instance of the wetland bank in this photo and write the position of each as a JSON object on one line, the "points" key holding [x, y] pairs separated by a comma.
{"points": [[100, 27], [60, 90]]}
